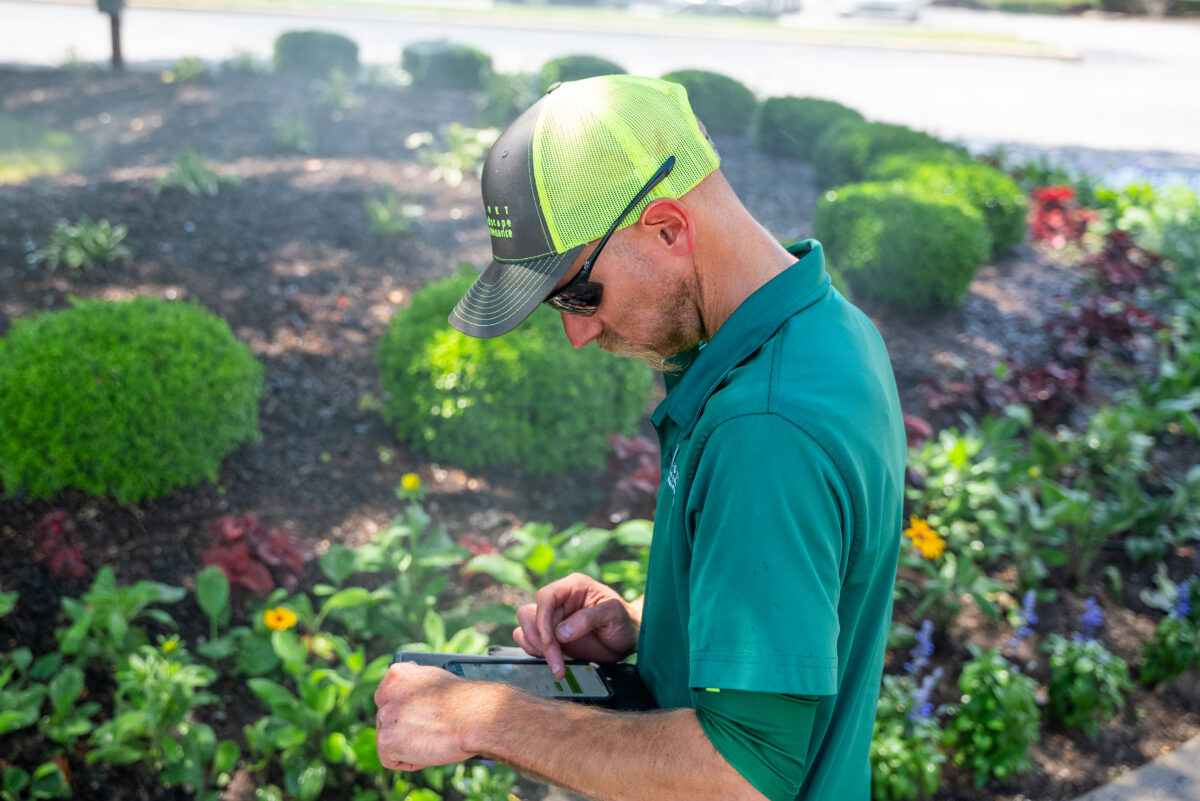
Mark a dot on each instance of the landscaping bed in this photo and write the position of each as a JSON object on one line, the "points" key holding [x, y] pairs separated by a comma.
{"points": [[289, 259]]}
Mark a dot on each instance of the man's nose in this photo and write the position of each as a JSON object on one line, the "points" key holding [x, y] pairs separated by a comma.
{"points": [[581, 330]]}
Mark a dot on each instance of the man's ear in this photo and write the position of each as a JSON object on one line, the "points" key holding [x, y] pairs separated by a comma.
{"points": [[672, 224]]}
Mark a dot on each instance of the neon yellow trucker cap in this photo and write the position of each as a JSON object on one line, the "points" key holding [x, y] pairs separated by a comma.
{"points": [[559, 176]]}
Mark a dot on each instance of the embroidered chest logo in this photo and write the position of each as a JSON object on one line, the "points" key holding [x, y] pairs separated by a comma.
{"points": [[673, 471]]}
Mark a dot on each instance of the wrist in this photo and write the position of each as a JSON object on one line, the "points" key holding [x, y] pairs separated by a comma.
{"points": [[481, 710]]}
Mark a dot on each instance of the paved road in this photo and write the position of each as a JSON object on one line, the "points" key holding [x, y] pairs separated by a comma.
{"points": [[1129, 98]]}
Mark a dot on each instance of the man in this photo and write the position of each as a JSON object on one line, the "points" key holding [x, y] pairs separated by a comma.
{"points": [[768, 601]]}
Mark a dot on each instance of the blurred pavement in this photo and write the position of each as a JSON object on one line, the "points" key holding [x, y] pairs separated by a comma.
{"points": [[1128, 98]]}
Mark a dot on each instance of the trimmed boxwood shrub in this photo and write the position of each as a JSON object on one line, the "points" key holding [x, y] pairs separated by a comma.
{"points": [[315, 53], [995, 194], [901, 246], [526, 399], [848, 149], [446, 65], [576, 68], [724, 105], [790, 126], [127, 400]]}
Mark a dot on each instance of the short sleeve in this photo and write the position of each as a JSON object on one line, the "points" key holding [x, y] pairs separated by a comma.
{"points": [[766, 521], [763, 736]]}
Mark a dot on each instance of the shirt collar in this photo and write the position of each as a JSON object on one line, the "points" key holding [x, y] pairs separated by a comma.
{"points": [[752, 323]]}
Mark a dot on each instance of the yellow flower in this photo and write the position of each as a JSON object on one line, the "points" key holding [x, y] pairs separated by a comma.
{"points": [[928, 542], [410, 482], [279, 618], [170, 644], [931, 547]]}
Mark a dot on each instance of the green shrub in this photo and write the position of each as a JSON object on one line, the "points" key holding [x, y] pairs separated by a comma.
{"points": [[315, 53], [895, 244], [128, 400], [791, 126], [511, 400], [575, 68], [995, 194], [505, 97], [445, 65], [848, 149], [724, 105]]}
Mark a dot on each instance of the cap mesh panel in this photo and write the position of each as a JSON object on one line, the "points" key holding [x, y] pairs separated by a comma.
{"points": [[608, 139]]}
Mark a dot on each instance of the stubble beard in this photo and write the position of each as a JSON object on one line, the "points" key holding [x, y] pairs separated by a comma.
{"points": [[678, 335]]}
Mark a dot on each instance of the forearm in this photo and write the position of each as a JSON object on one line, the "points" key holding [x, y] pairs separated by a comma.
{"points": [[604, 755]]}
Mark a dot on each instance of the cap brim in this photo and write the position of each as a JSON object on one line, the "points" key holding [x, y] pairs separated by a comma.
{"points": [[505, 293]]}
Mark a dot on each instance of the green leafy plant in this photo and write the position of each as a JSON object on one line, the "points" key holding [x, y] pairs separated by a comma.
{"points": [[192, 175], [337, 91], [848, 149], [84, 245], [445, 65], [156, 691], [1088, 683], [315, 53], [522, 394], [505, 97], [48, 780], [906, 753], [992, 192], [724, 105], [103, 621], [462, 152], [127, 400], [791, 126], [539, 555], [20, 700], [317, 731], [186, 69], [998, 719], [390, 215], [946, 578], [901, 247], [1175, 646], [291, 131], [575, 68]]}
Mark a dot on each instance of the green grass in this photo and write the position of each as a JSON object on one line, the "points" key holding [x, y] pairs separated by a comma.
{"points": [[28, 150]]}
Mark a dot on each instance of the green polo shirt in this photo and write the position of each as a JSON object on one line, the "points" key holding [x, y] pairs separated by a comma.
{"points": [[779, 519]]}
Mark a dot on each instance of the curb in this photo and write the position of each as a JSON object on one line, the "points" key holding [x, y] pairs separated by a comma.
{"points": [[1171, 777]]}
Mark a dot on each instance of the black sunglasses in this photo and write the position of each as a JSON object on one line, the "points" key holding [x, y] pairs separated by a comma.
{"points": [[582, 296]]}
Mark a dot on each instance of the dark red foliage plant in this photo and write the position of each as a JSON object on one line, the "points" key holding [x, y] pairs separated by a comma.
{"points": [[1050, 391], [56, 544], [1055, 218], [253, 556], [1099, 321], [630, 481], [1121, 265]]}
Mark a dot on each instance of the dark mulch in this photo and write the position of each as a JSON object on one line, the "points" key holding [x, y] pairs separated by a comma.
{"points": [[289, 261]]}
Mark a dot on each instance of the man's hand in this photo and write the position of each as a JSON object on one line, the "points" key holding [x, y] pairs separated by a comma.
{"points": [[581, 618], [418, 723]]}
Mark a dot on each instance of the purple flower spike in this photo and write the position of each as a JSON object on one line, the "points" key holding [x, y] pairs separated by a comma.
{"points": [[922, 707], [1183, 600], [1092, 619], [922, 651], [1028, 618]]}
